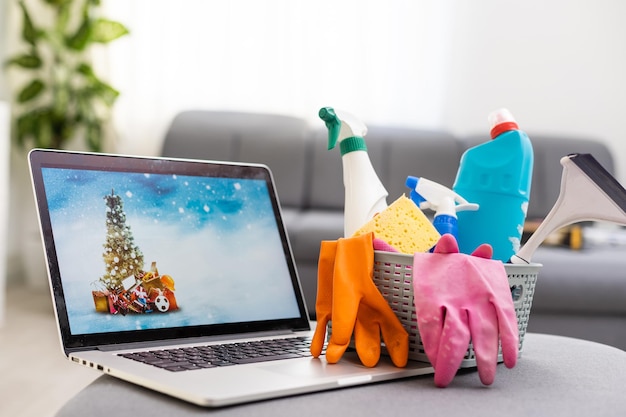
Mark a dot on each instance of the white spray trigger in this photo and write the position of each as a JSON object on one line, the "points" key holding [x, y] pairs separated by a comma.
{"points": [[441, 199], [466, 206], [350, 125]]}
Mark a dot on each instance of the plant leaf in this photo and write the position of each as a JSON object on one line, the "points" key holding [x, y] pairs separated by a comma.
{"points": [[30, 91], [105, 30], [94, 136], [30, 61], [43, 130], [61, 98], [99, 90], [64, 14], [79, 40], [66, 106], [29, 31], [86, 69], [26, 126], [107, 93], [62, 126], [35, 125], [58, 2]]}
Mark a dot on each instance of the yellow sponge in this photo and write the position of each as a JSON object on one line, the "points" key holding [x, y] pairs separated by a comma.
{"points": [[404, 226]]}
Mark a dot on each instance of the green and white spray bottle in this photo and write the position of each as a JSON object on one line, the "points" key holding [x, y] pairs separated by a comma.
{"points": [[365, 195]]}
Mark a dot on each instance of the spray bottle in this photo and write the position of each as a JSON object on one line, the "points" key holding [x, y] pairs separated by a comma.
{"points": [[431, 195], [365, 195], [497, 175]]}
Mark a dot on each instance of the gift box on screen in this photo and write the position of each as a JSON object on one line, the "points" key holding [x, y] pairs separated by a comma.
{"points": [[101, 301]]}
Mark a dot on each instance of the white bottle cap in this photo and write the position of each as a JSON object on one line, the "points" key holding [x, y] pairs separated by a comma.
{"points": [[501, 121]]}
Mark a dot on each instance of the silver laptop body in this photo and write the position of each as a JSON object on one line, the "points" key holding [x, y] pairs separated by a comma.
{"points": [[163, 255]]}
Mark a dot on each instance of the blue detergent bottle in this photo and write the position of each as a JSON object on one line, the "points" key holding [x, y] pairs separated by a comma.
{"points": [[497, 176]]}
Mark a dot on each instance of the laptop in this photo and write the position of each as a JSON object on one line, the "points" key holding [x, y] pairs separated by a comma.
{"points": [[160, 269]]}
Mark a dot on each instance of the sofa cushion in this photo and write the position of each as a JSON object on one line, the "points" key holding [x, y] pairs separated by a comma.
{"points": [[395, 153], [325, 178], [434, 155], [308, 228], [588, 281], [583, 288], [547, 175], [245, 137]]}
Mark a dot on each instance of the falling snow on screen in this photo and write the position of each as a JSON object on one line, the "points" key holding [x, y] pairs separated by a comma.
{"points": [[216, 237]]}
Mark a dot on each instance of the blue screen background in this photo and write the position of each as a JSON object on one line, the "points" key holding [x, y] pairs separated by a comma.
{"points": [[216, 237]]}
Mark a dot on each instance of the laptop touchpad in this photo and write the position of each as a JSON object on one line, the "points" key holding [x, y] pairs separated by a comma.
{"points": [[349, 365]]}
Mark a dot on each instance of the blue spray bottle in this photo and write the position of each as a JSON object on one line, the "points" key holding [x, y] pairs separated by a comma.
{"points": [[446, 203], [497, 175], [365, 194]]}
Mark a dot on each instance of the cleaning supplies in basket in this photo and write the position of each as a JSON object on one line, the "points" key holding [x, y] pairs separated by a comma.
{"points": [[459, 298]]}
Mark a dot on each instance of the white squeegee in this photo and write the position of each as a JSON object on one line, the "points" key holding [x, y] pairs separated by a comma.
{"points": [[588, 192]]}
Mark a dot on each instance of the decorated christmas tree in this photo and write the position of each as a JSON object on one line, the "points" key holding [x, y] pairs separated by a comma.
{"points": [[122, 258]]}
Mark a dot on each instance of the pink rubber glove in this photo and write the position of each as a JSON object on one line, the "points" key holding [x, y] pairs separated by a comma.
{"points": [[458, 297], [380, 244]]}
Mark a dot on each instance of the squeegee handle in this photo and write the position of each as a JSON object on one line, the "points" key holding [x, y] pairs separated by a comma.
{"points": [[559, 216], [588, 193], [549, 224]]}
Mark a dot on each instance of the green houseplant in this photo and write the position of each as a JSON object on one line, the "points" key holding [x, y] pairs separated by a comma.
{"points": [[62, 97]]}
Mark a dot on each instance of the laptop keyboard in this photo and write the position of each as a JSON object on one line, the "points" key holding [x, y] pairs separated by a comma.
{"points": [[202, 357]]}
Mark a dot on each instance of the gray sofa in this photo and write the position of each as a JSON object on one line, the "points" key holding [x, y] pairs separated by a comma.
{"points": [[579, 293]]}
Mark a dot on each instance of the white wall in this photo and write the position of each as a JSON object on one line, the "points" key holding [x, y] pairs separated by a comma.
{"points": [[379, 60], [559, 66], [9, 248]]}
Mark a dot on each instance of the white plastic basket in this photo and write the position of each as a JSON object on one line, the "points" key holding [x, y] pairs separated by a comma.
{"points": [[393, 275]]}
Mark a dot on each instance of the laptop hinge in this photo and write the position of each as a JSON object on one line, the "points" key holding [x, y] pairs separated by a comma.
{"points": [[191, 340]]}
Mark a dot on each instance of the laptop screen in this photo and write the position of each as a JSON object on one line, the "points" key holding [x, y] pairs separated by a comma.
{"points": [[145, 249]]}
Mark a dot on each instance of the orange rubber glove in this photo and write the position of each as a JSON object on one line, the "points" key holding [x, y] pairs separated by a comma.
{"points": [[324, 301], [356, 305]]}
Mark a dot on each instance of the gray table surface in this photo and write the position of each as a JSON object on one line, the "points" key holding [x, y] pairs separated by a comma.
{"points": [[556, 376]]}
